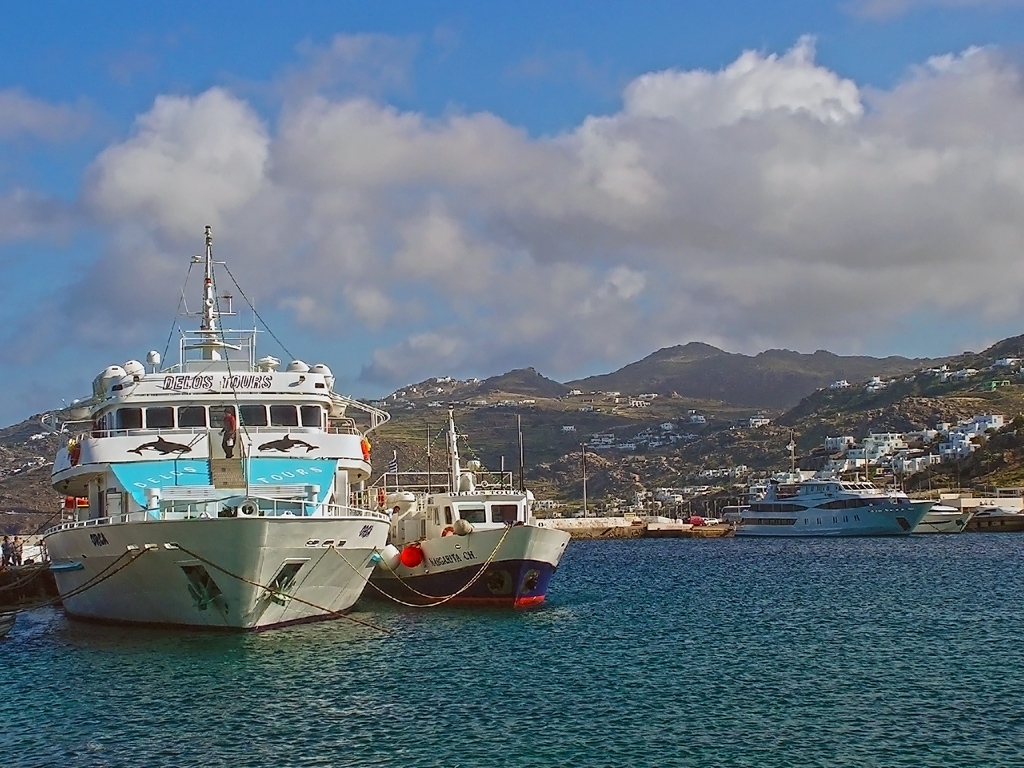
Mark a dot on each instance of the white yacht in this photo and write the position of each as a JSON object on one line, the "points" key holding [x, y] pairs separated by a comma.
{"points": [[943, 519], [174, 523], [464, 536], [817, 507]]}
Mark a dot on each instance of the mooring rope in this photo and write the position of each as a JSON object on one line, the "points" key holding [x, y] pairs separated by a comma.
{"points": [[25, 580], [438, 599], [273, 591], [99, 578]]}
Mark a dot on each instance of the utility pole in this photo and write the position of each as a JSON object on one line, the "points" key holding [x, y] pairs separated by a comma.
{"points": [[583, 456]]}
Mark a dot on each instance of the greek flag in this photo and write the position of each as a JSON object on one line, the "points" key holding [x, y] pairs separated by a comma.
{"points": [[393, 464]]}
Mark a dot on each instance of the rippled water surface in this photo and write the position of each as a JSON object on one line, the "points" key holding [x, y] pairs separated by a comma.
{"points": [[863, 652]]}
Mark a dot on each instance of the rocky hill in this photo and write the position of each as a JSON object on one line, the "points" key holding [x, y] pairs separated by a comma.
{"points": [[775, 379]]}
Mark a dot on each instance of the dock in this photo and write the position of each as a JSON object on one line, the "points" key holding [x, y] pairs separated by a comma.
{"points": [[635, 528], [26, 585]]}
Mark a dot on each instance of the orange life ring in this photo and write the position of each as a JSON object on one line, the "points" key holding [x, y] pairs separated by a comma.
{"points": [[380, 497], [364, 444], [448, 531]]}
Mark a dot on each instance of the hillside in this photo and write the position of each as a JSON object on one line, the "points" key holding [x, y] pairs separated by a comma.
{"points": [[654, 441], [775, 379]]}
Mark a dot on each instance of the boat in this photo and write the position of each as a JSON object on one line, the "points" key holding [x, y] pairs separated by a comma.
{"points": [[943, 519], [463, 536], [219, 492], [7, 622], [993, 519], [828, 507]]}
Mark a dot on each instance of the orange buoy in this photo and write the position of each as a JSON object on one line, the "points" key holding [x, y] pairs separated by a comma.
{"points": [[412, 556], [448, 531]]}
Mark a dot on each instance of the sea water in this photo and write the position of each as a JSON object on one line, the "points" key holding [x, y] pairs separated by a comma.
{"points": [[739, 652]]}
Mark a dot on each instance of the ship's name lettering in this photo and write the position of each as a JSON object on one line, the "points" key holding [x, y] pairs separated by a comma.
{"points": [[247, 381], [171, 474], [288, 474], [181, 382], [446, 559]]}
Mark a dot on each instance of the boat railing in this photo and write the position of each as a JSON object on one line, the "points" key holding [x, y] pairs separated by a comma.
{"points": [[336, 429], [260, 507], [440, 482]]}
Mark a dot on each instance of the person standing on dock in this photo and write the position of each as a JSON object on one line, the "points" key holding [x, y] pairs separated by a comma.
{"points": [[18, 548], [7, 551]]}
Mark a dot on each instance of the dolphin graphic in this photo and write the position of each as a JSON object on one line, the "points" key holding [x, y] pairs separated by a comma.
{"points": [[161, 446], [285, 444]]}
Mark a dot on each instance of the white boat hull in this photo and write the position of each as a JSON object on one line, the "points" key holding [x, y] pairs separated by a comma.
{"points": [[880, 520], [516, 575], [950, 520], [218, 573]]}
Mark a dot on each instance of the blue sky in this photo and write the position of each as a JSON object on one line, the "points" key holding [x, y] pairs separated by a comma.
{"points": [[461, 188]]}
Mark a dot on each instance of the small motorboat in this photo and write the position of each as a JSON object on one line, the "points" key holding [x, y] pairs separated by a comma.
{"points": [[7, 622]]}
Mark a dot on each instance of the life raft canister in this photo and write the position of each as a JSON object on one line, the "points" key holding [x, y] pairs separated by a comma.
{"points": [[365, 445]]}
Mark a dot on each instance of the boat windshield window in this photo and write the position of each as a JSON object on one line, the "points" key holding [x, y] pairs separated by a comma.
{"points": [[253, 415], [283, 416], [160, 417], [504, 513], [192, 416], [447, 515], [473, 514], [129, 418], [311, 416]]}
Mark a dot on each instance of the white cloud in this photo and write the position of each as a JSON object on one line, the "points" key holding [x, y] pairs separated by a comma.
{"points": [[22, 115], [188, 160], [752, 86], [885, 9], [26, 214], [367, 63], [772, 203]]}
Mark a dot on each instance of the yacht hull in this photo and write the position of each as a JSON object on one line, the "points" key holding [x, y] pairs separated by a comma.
{"points": [[881, 520], [514, 576], [219, 573], [952, 521]]}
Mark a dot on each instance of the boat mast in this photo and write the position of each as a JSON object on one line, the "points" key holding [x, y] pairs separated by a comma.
{"points": [[454, 466], [209, 344], [208, 325]]}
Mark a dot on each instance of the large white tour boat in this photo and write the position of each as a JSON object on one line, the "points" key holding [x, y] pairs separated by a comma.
{"points": [[464, 536], [215, 493], [819, 507]]}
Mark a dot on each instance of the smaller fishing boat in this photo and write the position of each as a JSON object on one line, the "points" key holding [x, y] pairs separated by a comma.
{"points": [[943, 519], [463, 536], [7, 622]]}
